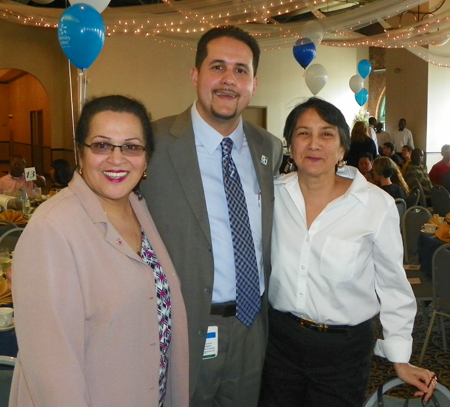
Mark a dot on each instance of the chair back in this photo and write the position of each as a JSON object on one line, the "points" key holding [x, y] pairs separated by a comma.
{"points": [[401, 207], [10, 238], [5, 226], [441, 278], [413, 221], [413, 198], [446, 181], [440, 199], [422, 200]]}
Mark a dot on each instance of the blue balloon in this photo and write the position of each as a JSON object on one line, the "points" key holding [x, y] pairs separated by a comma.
{"points": [[364, 68], [304, 51], [362, 97], [81, 34]]}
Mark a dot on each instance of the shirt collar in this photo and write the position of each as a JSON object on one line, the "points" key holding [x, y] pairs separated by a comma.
{"points": [[358, 188], [211, 138]]}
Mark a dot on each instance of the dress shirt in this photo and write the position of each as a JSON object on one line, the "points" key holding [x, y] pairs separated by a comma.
{"points": [[401, 138], [209, 152], [438, 172], [348, 266], [373, 135], [383, 137], [14, 184]]}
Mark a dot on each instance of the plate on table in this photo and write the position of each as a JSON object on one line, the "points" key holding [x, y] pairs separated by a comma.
{"points": [[427, 232], [7, 327]]}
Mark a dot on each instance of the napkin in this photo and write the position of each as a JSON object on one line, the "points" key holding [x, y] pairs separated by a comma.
{"points": [[15, 217], [5, 292], [435, 220], [443, 232]]}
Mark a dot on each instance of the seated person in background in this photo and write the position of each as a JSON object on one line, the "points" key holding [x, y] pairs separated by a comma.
{"points": [[406, 155], [15, 180], [417, 173], [440, 169], [383, 169], [60, 173], [365, 166], [388, 151], [360, 143]]}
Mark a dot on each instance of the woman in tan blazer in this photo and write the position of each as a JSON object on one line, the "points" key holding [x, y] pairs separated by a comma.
{"points": [[99, 315]]}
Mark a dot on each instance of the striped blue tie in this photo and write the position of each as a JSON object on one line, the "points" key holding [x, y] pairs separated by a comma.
{"points": [[248, 299]]}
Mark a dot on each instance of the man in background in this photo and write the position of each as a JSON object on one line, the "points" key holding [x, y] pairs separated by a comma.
{"points": [[15, 180], [388, 151], [441, 168], [373, 130], [188, 197], [417, 173], [401, 137]]}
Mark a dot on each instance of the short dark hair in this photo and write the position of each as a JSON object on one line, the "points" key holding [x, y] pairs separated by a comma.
{"points": [[388, 144], [372, 121], [366, 155], [115, 103], [327, 112], [407, 147], [63, 173], [227, 31]]}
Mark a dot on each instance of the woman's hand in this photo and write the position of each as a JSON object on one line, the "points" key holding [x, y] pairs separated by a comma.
{"points": [[423, 379]]}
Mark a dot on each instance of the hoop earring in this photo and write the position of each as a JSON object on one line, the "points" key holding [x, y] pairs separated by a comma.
{"points": [[80, 171], [144, 175]]}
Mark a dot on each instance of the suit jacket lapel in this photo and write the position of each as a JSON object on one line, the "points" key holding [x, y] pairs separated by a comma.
{"points": [[183, 155]]}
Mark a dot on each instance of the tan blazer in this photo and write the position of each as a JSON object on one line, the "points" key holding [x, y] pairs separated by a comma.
{"points": [[181, 216], [85, 311]]}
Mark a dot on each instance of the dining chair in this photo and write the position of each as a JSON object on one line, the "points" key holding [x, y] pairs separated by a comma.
{"points": [[10, 237], [5, 226], [7, 364], [422, 199], [412, 223], [401, 206], [413, 198], [446, 181], [440, 199], [441, 294]]}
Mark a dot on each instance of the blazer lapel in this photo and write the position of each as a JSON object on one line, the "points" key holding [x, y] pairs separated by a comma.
{"points": [[183, 155]]}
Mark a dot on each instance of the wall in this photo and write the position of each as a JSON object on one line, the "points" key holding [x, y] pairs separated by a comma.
{"points": [[407, 93], [159, 75]]}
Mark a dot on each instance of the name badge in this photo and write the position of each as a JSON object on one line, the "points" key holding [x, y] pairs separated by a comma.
{"points": [[212, 343]]}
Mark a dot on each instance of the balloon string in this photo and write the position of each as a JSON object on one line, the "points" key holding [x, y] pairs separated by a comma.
{"points": [[72, 113]]}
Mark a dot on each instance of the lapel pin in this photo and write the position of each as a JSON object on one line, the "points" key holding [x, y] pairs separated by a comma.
{"points": [[264, 160]]}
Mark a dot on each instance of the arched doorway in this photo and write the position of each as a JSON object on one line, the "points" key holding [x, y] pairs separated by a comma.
{"points": [[24, 120]]}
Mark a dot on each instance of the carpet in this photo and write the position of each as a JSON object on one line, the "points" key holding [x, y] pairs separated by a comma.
{"points": [[435, 358]]}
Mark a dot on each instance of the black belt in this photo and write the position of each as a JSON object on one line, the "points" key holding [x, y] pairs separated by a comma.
{"points": [[316, 326], [225, 310]]}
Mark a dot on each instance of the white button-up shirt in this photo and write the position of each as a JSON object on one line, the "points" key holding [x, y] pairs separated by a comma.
{"points": [[348, 266]]}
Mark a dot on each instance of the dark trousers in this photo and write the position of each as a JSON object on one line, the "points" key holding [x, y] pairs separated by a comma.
{"points": [[309, 368]]}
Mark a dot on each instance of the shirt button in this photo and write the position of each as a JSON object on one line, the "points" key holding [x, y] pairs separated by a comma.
{"points": [[209, 248], [307, 239], [207, 291], [303, 267], [201, 332], [300, 294]]}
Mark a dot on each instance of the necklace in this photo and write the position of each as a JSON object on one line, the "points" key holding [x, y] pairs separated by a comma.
{"points": [[133, 239]]}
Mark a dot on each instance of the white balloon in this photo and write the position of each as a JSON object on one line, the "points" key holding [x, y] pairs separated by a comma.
{"points": [[316, 77], [99, 5], [356, 83]]}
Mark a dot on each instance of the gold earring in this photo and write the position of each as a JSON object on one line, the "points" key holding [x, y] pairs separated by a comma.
{"points": [[80, 171], [341, 163], [144, 175]]}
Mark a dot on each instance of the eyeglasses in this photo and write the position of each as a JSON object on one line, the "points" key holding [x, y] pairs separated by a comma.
{"points": [[130, 150]]}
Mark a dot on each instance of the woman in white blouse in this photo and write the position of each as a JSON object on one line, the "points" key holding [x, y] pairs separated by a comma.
{"points": [[337, 261]]}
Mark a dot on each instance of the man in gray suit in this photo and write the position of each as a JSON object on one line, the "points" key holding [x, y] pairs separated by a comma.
{"points": [[185, 193]]}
